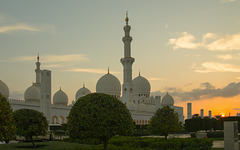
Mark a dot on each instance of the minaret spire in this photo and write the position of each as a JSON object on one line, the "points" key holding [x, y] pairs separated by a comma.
{"points": [[127, 62], [38, 58], [38, 72], [127, 19]]}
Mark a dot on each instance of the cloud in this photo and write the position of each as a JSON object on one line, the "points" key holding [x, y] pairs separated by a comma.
{"points": [[238, 78], [155, 79], [185, 41], [53, 66], [226, 42], [205, 91], [236, 108], [226, 1], [54, 58], [225, 57], [209, 41], [207, 67], [18, 27], [88, 70]]}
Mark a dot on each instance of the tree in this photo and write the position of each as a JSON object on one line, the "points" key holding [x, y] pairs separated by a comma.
{"points": [[30, 123], [7, 127], [164, 121], [197, 123], [193, 124], [207, 123], [99, 116]]}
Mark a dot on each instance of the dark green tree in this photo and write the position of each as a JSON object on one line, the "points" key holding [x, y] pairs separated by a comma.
{"points": [[207, 123], [193, 124], [30, 123], [197, 123], [99, 116], [164, 121], [7, 127]]}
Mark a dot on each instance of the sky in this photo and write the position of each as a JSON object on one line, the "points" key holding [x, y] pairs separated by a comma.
{"points": [[190, 49]]}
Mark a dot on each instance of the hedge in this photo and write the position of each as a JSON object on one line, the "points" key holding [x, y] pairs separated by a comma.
{"points": [[160, 143]]}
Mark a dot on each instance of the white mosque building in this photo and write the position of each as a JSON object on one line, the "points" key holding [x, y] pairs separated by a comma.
{"points": [[135, 93]]}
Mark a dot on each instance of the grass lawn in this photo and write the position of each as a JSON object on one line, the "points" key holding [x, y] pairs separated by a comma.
{"points": [[53, 145], [60, 145]]}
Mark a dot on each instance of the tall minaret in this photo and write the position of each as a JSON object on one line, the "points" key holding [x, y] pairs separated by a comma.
{"points": [[127, 61], [38, 73], [45, 101]]}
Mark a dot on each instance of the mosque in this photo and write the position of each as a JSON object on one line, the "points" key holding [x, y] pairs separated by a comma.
{"points": [[134, 93]]}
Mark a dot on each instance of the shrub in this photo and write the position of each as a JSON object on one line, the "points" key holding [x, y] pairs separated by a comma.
{"points": [[215, 134], [160, 143], [193, 135]]}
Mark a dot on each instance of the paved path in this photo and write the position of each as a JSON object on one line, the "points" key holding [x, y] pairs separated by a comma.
{"points": [[218, 144]]}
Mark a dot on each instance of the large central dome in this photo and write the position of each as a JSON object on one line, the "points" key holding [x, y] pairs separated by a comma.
{"points": [[109, 84]]}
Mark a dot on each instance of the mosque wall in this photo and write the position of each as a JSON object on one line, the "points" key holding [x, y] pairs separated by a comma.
{"points": [[20, 104], [59, 114]]}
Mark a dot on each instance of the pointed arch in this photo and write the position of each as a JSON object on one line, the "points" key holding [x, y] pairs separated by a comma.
{"points": [[54, 120]]}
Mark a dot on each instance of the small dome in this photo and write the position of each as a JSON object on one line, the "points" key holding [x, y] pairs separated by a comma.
{"points": [[131, 106], [60, 98], [142, 107], [141, 86], [4, 89], [82, 92], [167, 100], [109, 84], [32, 94]]}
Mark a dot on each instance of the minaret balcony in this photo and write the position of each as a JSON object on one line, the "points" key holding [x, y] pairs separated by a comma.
{"points": [[127, 60], [127, 39]]}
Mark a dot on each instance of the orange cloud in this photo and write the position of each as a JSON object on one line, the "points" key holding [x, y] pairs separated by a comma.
{"points": [[209, 41]]}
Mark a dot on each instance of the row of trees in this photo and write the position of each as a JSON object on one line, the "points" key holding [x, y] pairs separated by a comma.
{"points": [[22, 122], [101, 116], [95, 116], [196, 123]]}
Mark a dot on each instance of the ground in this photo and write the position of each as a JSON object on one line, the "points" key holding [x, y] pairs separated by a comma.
{"points": [[57, 145]]}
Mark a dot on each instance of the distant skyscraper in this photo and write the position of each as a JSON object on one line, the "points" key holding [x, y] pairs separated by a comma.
{"points": [[210, 114], [202, 113], [189, 110]]}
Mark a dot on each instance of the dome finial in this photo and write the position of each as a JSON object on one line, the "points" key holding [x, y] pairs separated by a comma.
{"points": [[60, 88], [127, 19], [108, 69], [38, 57], [139, 73], [83, 84]]}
